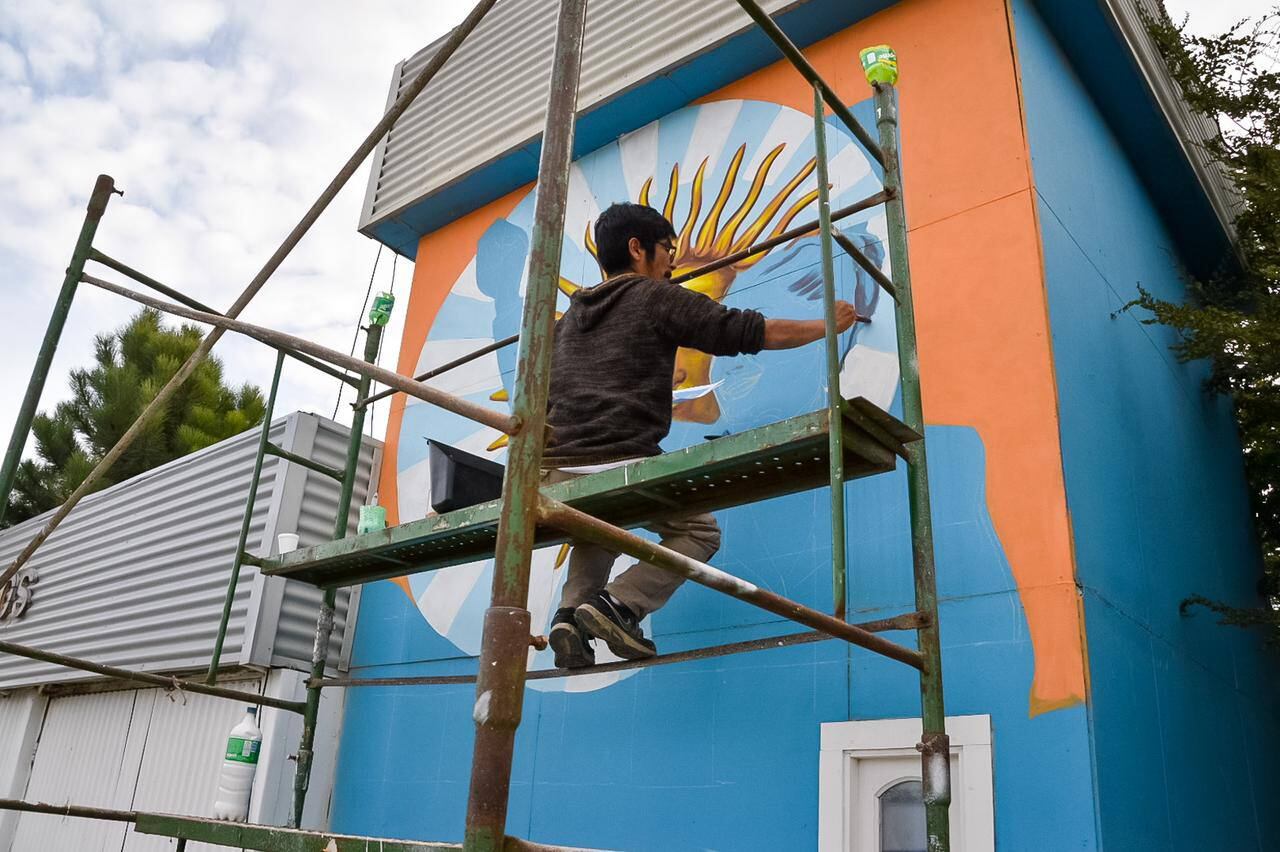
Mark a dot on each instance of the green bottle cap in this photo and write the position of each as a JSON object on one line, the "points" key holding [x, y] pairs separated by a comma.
{"points": [[880, 64], [380, 313]]}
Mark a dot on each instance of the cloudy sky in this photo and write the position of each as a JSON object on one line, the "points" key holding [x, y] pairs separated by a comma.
{"points": [[221, 120]]}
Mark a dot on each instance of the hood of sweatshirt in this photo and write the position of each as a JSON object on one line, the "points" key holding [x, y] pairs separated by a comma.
{"points": [[588, 306]]}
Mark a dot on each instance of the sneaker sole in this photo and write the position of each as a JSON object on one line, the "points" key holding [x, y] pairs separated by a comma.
{"points": [[602, 627], [571, 652]]}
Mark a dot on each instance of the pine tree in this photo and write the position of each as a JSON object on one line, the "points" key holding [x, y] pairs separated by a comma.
{"points": [[1233, 317], [130, 366]]}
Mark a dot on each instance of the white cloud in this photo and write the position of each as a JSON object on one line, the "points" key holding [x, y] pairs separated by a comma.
{"points": [[58, 37], [157, 23], [1205, 18], [13, 68], [221, 121]]}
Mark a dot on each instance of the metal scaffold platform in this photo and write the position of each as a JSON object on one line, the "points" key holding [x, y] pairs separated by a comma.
{"points": [[847, 440], [781, 458]]}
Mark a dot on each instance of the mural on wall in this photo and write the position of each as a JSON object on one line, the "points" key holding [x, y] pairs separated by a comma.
{"points": [[726, 174]]}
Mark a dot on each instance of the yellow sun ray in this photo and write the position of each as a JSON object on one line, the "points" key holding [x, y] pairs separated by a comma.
{"points": [[794, 211], [589, 239], [773, 206], [567, 287], [730, 230], [695, 207], [707, 235], [499, 443], [500, 395], [561, 556], [644, 191], [673, 189]]}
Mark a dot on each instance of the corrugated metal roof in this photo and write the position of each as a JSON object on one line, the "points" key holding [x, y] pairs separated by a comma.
{"points": [[490, 98], [136, 576], [1191, 128]]}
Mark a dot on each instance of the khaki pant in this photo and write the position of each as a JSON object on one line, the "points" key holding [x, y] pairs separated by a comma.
{"points": [[644, 588]]}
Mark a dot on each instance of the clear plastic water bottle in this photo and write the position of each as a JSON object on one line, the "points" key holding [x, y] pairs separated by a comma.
{"points": [[238, 766]]}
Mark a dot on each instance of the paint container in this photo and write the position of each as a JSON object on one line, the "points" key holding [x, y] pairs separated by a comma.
{"points": [[880, 64], [286, 542], [372, 518]]}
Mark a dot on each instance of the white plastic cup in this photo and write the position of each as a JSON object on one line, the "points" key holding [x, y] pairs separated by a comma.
{"points": [[286, 542]]}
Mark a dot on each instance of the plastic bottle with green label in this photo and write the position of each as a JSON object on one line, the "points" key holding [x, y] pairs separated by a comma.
{"points": [[239, 763], [380, 312]]}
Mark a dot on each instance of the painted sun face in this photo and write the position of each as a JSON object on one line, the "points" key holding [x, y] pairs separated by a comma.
{"points": [[726, 174], [712, 242]]}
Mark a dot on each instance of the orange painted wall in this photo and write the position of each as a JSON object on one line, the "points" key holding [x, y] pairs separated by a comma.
{"points": [[979, 286]]}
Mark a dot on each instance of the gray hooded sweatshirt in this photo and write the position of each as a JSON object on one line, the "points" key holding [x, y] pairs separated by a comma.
{"points": [[611, 370]]}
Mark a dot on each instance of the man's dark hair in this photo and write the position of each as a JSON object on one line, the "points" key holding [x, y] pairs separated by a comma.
{"points": [[618, 224]]}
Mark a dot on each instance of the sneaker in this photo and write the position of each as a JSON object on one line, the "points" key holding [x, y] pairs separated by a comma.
{"points": [[606, 618], [572, 649]]}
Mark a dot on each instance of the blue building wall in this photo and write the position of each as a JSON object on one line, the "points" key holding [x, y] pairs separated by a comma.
{"points": [[1183, 713], [723, 754]]}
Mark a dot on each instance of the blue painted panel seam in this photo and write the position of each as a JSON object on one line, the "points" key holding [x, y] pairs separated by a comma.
{"points": [[1174, 650], [1161, 349], [1019, 191]]}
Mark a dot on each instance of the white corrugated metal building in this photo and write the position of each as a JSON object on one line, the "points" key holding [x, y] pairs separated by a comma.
{"points": [[136, 578]]}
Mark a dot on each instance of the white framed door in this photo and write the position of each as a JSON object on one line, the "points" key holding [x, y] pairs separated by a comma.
{"points": [[869, 791]]}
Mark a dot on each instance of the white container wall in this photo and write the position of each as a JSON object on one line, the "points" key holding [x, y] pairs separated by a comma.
{"points": [[131, 750], [185, 740], [21, 715], [152, 750], [88, 754]]}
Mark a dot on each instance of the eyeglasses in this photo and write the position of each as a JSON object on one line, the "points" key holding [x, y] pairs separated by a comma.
{"points": [[669, 249]]}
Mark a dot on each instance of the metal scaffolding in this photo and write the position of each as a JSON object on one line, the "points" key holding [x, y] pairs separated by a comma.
{"points": [[848, 439]]}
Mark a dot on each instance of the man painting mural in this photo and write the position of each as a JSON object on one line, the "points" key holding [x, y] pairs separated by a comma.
{"points": [[610, 403]]}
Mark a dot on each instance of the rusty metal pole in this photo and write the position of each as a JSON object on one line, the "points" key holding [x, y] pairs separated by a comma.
{"points": [[162, 681], [246, 523], [835, 402], [934, 746], [503, 654], [583, 527], [280, 340], [324, 619], [784, 43], [102, 190], [183, 299], [728, 260]]}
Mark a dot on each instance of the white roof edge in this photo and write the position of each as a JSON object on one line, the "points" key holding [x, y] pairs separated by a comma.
{"points": [[1190, 128]]}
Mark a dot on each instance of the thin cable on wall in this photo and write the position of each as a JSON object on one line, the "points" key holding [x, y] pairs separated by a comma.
{"points": [[355, 335]]}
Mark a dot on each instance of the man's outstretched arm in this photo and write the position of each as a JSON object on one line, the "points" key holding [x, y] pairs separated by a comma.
{"points": [[788, 334]]}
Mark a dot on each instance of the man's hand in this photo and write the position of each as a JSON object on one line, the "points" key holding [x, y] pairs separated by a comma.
{"points": [[788, 334], [846, 316]]}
